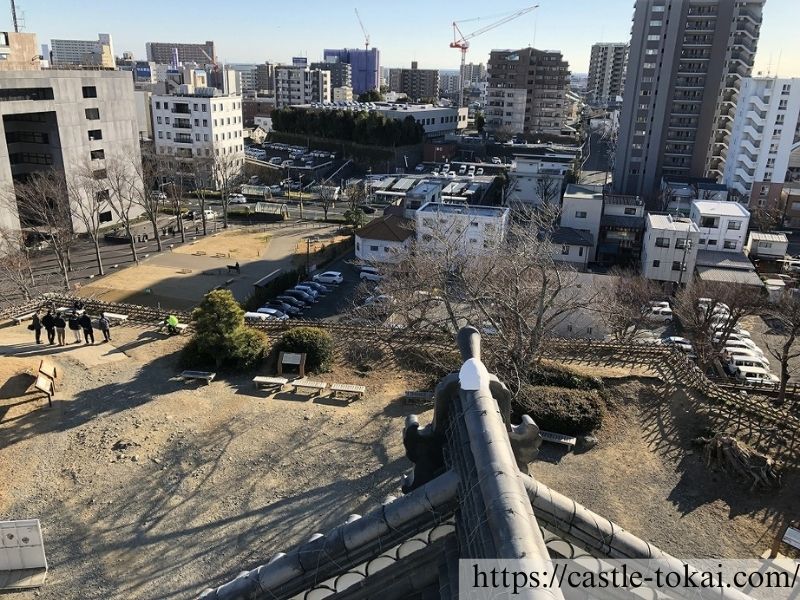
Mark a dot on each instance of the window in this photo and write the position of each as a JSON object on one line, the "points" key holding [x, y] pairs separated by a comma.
{"points": [[100, 174], [386, 248], [662, 242], [158, 120], [89, 91], [93, 114], [655, 23], [103, 195], [580, 250], [196, 137], [195, 106], [565, 249], [653, 38], [203, 107], [630, 211], [98, 154], [729, 244], [712, 242], [676, 265], [197, 121], [158, 105], [169, 135], [215, 122], [166, 120], [680, 243], [710, 222], [580, 214], [657, 9], [373, 248], [205, 122], [656, 264], [765, 244], [734, 225], [205, 137], [95, 134], [166, 105], [161, 135]]}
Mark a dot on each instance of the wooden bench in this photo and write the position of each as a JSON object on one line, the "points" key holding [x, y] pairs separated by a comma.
{"points": [[200, 253], [20, 318], [276, 383], [792, 537], [352, 391], [558, 438], [198, 375], [413, 397], [316, 386], [185, 271], [221, 255]]}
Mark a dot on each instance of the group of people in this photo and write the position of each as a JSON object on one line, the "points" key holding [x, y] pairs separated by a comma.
{"points": [[56, 325]]}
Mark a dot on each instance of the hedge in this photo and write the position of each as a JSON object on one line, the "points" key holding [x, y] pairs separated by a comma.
{"points": [[316, 343], [571, 412]]}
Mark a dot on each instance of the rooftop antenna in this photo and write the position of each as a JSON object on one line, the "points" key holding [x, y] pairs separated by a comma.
{"points": [[14, 16], [778, 64]]}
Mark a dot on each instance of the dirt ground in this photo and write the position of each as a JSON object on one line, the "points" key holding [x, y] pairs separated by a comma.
{"points": [[151, 488], [235, 244]]}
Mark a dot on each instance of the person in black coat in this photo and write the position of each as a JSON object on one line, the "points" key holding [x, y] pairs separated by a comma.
{"points": [[49, 323], [75, 327], [36, 327], [88, 332], [61, 326]]}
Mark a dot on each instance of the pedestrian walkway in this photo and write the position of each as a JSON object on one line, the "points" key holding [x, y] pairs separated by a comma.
{"points": [[18, 341]]}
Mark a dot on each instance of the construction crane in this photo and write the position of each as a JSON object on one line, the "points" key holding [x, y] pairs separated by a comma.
{"points": [[364, 29], [461, 41]]}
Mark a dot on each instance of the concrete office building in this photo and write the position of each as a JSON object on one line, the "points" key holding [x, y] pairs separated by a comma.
{"points": [[18, 52], [685, 64], [607, 65], [341, 73], [365, 65], [471, 230], [669, 248], [164, 52], [419, 84], [764, 134], [299, 85], [723, 225], [265, 78], [342, 94], [473, 74], [99, 52], [530, 85], [66, 120], [197, 128], [449, 83]]}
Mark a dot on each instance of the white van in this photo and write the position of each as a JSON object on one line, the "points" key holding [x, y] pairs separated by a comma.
{"points": [[756, 375], [745, 352], [731, 345], [749, 361], [210, 215], [370, 274]]}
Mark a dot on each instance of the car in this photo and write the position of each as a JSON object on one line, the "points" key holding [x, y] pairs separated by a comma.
{"points": [[660, 314], [308, 290], [316, 285], [291, 301], [445, 167], [479, 172], [471, 169], [209, 215], [158, 195], [285, 308], [736, 346], [301, 295], [749, 361], [419, 168], [743, 352], [379, 299], [367, 210], [496, 160], [679, 342], [257, 316], [435, 171], [659, 304], [329, 277], [237, 199], [369, 274], [451, 175], [462, 169], [756, 375], [273, 312]]}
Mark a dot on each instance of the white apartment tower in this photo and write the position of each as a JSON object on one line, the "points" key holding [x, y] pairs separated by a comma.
{"points": [[297, 85], [607, 72], [99, 52], [764, 133], [200, 129]]}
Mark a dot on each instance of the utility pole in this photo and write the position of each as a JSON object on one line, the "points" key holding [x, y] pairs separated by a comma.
{"points": [[14, 16]]}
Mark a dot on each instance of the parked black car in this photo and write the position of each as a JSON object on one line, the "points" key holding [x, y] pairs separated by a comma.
{"points": [[284, 307], [322, 289], [296, 295]]}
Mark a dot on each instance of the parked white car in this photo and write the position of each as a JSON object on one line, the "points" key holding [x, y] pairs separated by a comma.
{"points": [[329, 277], [679, 342], [660, 304], [369, 274], [380, 299], [273, 313], [750, 361], [756, 375], [660, 314], [237, 199], [742, 345]]}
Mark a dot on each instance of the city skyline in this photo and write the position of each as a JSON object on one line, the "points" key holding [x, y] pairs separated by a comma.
{"points": [[246, 33]]}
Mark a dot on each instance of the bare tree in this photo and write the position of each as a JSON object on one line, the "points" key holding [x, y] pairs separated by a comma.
{"points": [[625, 307], [710, 311], [40, 203], [327, 198], [548, 189], [203, 175], [15, 265], [149, 196], [228, 172], [767, 218], [125, 187], [174, 178], [510, 287], [88, 199], [356, 195], [786, 318]]}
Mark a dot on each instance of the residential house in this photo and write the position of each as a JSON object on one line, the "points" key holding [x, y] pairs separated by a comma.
{"points": [[669, 248], [385, 239], [582, 209], [571, 247], [766, 246], [476, 228], [723, 225], [621, 229]]}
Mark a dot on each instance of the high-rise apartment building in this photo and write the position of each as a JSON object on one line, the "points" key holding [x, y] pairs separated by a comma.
{"points": [[341, 73], [202, 133], [365, 64], [165, 52], [474, 74], [419, 83], [607, 73], [527, 91], [297, 85], [99, 52], [765, 130], [265, 78], [449, 82], [685, 64]]}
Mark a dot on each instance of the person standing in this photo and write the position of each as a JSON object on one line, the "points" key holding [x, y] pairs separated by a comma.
{"points": [[75, 327], [104, 327], [61, 326], [36, 326], [86, 324], [48, 321]]}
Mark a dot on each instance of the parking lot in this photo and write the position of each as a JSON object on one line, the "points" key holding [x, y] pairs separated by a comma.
{"points": [[287, 156]]}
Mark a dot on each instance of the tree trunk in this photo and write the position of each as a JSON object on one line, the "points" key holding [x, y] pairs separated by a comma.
{"points": [[156, 233], [98, 256], [62, 264], [134, 252], [325, 210], [181, 228], [224, 213], [69, 260]]}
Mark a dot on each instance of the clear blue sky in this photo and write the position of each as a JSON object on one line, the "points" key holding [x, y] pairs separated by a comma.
{"points": [[404, 30]]}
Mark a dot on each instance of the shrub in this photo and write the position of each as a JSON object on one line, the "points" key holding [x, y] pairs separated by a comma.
{"points": [[316, 343], [567, 411], [541, 375], [220, 338]]}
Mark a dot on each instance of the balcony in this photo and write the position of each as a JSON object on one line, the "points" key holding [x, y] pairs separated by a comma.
{"points": [[181, 109], [182, 138], [182, 124], [744, 175]]}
